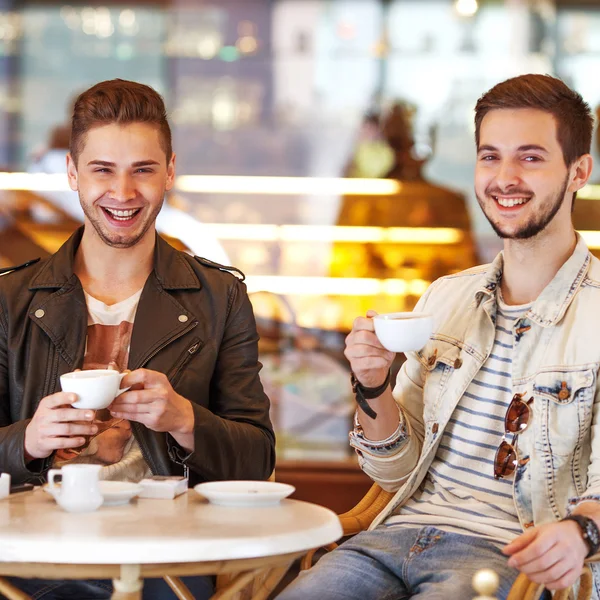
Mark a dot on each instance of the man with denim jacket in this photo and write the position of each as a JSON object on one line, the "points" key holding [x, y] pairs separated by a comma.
{"points": [[490, 437]]}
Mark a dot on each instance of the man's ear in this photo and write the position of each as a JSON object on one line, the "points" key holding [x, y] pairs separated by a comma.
{"points": [[72, 173], [171, 173], [581, 171]]}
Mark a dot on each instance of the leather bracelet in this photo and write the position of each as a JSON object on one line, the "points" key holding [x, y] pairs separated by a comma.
{"points": [[589, 531], [362, 393]]}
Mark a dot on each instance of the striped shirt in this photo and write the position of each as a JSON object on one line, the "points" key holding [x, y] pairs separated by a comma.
{"points": [[459, 493]]}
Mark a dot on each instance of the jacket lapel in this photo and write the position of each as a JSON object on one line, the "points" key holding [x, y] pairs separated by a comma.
{"points": [[59, 307], [160, 319], [63, 317]]}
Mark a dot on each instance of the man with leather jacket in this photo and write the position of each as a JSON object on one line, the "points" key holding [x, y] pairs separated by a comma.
{"points": [[118, 296]]}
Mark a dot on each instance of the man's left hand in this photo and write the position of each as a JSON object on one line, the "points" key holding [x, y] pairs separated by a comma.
{"points": [[551, 554], [153, 402]]}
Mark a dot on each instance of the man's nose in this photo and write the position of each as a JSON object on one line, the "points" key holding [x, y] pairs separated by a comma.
{"points": [[508, 174], [123, 189]]}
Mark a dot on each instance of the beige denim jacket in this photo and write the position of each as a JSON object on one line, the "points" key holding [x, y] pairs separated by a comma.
{"points": [[556, 360]]}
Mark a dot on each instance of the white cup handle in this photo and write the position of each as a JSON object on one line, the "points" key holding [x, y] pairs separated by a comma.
{"points": [[121, 390], [52, 473]]}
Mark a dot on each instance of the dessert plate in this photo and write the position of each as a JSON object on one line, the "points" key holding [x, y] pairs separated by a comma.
{"points": [[244, 493]]}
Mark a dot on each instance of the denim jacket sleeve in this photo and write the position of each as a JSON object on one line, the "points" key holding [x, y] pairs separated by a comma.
{"points": [[391, 468]]}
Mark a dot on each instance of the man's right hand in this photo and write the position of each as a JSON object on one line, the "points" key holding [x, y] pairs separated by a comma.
{"points": [[56, 425], [369, 360]]}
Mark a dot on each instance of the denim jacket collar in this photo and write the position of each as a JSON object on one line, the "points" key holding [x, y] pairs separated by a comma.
{"points": [[550, 306]]}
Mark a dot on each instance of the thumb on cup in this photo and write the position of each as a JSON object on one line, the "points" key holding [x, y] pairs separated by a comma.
{"points": [[372, 313]]}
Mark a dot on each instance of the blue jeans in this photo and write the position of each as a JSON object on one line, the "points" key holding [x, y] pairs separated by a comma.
{"points": [[394, 563], [201, 588]]}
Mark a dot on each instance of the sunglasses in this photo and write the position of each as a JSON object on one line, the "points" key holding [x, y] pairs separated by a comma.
{"points": [[515, 422]]}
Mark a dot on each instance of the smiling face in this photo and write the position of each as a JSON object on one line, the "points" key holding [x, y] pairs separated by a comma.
{"points": [[121, 176], [521, 181]]}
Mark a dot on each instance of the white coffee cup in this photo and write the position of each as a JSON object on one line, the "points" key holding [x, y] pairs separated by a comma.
{"points": [[96, 388], [79, 490], [403, 331]]}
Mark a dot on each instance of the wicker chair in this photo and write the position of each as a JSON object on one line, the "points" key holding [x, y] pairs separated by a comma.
{"points": [[376, 499]]}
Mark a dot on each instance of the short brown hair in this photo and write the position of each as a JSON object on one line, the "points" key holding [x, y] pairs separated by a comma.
{"points": [[574, 120], [122, 102]]}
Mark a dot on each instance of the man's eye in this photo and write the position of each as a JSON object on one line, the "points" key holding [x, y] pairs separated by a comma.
{"points": [[101, 170], [144, 171], [487, 157], [532, 158]]}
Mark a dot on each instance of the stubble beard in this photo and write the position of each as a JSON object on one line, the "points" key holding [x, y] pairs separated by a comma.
{"points": [[536, 224], [116, 240]]}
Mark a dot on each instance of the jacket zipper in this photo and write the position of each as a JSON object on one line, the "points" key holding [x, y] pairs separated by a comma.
{"points": [[183, 360], [136, 426]]}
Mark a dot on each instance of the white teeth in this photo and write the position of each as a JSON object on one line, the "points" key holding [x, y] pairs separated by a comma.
{"points": [[121, 215], [508, 202]]}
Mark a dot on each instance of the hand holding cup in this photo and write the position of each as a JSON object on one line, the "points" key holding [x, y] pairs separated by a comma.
{"points": [[95, 388], [369, 360]]}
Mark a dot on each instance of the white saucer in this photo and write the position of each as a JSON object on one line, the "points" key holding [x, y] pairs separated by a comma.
{"points": [[115, 493], [244, 493]]}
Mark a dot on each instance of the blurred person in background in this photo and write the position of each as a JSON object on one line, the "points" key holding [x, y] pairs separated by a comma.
{"points": [[372, 156], [116, 295], [490, 437]]}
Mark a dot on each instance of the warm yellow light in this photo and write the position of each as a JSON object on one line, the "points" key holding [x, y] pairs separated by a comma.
{"points": [[466, 8], [232, 231], [330, 233], [334, 286], [225, 184], [217, 184], [591, 238], [589, 192], [424, 235], [337, 233]]}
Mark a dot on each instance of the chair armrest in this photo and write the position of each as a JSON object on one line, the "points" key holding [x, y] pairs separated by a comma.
{"points": [[524, 589], [363, 514], [356, 519]]}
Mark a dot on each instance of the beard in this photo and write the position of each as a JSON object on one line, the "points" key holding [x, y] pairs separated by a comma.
{"points": [[537, 222], [115, 239]]}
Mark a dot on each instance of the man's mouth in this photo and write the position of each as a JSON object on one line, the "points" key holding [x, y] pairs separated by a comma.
{"points": [[121, 215], [507, 202]]}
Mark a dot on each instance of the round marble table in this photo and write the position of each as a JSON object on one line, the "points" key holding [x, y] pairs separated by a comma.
{"points": [[159, 538]]}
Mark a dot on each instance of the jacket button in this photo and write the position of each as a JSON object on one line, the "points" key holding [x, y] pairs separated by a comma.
{"points": [[183, 318], [563, 393], [431, 360], [458, 363], [39, 313], [435, 428]]}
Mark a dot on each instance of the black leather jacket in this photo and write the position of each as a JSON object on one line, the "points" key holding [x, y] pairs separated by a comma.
{"points": [[194, 322]]}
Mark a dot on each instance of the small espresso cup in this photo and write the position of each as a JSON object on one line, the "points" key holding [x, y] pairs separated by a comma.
{"points": [[95, 388], [403, 331]]}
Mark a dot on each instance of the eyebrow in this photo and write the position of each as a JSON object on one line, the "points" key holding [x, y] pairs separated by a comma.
{"points": [[137, 164], [524, 148]]}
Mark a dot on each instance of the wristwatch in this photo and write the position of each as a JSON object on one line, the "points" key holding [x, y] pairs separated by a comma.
{"points": [[362, 393], [589, 531]]}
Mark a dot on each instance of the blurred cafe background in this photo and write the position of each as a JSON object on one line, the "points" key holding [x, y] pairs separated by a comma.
{"points": [[325, 148]]}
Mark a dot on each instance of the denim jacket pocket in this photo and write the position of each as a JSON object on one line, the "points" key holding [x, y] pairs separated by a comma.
{"points": [[563, 401], [439, 359]]}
